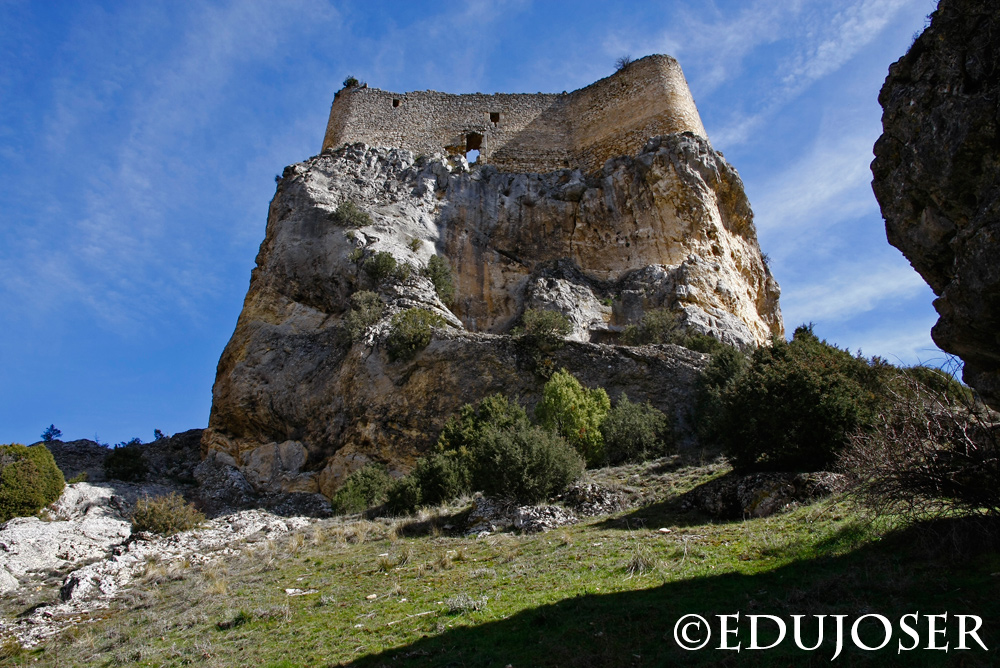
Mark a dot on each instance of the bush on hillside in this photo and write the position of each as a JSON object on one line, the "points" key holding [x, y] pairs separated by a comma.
{"points": [[29, 480], [349, 214], [794, 404], [575, 413], [165, 515], [525, 463], [933, 451], [366, 310], [442, 477], [365, 488], [403, 496], [126, 462], [462, 432], [635, 432], [439, 272], [410, 331]]}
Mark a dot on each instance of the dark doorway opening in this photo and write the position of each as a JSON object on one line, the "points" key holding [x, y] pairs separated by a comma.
{"points": [[473, 145]]}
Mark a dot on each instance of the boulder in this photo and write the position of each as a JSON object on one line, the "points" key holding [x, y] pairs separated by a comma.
{"points": [[937, 178]]}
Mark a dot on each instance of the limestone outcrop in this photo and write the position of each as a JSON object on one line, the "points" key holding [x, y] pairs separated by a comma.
{"points": [[299, 402], [937, 178]]}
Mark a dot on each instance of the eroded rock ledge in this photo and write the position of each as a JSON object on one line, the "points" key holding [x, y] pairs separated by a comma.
{"points": [[297, 406]]}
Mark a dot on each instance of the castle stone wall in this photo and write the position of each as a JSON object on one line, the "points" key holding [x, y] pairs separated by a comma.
{"points": [[525, 132]]}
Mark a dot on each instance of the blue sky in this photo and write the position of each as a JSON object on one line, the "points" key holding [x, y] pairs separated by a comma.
{"points": [[139, 144]]}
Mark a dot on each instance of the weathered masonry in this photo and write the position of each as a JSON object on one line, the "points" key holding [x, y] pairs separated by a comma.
{"points": [[524, 132]]}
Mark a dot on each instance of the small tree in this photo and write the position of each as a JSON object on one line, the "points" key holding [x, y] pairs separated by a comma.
{"points": [[351, 81], [158, 435], [51, 433], [622, 62], [575, 413]]}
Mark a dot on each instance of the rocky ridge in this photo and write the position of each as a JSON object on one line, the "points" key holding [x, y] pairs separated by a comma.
{"points": [[937, 178], [297, 405]]}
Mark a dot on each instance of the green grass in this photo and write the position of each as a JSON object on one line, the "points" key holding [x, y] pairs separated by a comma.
{"points": [[605, 592]]}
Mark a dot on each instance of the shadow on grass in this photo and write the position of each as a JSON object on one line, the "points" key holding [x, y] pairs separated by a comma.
{"points": [[893, 577]]}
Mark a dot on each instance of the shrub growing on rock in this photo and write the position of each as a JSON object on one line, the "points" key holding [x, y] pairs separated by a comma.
{"points": [[635, 432], [365, 488], [656, 326], [410, 332], [546, 325], [366, 310], [126, 462], [51, 433], [439, 272], [349, 214], [575, 413], [403, 496], [795, 403], [380, 266], [29, 480], [165, 515]]}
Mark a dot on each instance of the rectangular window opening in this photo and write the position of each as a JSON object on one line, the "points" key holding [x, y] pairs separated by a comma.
{"points": [[494, 117], [395, 103]]}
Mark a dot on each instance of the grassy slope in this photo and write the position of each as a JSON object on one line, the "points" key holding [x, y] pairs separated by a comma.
{"points": [[601, 593]]}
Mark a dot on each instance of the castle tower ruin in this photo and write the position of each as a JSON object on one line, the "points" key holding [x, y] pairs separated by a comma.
{"points": [[525, 132]]}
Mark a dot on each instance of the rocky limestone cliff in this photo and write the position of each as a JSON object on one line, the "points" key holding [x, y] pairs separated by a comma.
{"points": [[297, 406], [937, 178]]}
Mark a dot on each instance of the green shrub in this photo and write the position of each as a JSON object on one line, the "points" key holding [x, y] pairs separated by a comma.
{"points": [[656, 326], [525, 463], [723, 369], [380, 266], [366, 310], [126, 462], [165, 515], [635, 432], [795, 404], [410, 332], [463, 432], [439, 272], [351, 82], [414, 244], [545, 324], [575, 413], [403, 496], [702, 343], [29, 480], [441, 477], [365, 488], [349, 214]]}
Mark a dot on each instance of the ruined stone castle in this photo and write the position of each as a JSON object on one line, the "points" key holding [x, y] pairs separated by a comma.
{"points": [[525, 132]]}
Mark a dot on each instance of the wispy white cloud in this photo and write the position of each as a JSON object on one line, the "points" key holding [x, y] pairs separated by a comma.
{"points": [[855, 289]]}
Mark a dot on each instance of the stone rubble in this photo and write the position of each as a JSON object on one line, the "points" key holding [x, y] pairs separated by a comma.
{"points": [[90, 536]]}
